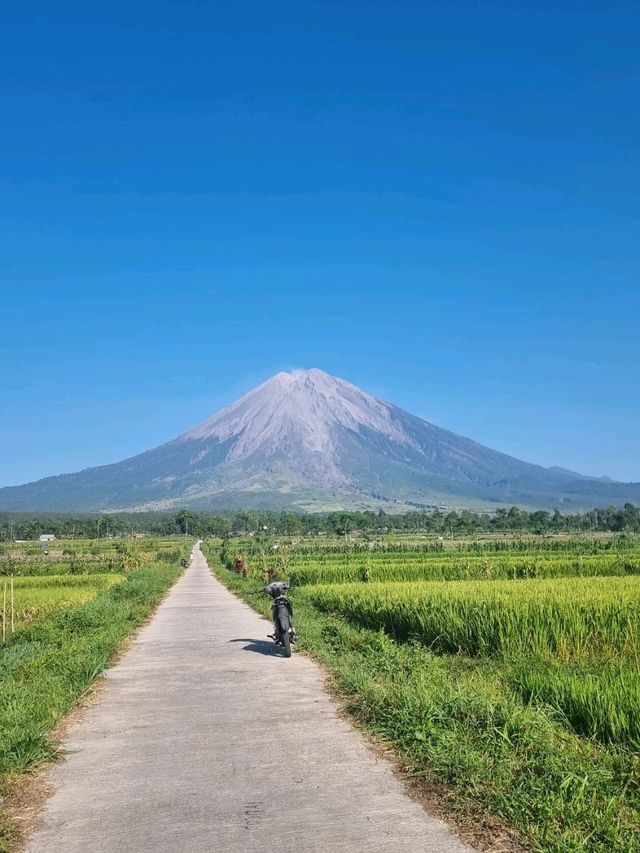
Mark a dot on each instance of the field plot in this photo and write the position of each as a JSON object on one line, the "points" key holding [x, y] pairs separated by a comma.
{"points": [[572, 619], [590, 625], [452, 565], [72, 609], [319, 562], [36, 596], [79, 557], [509, 672]]}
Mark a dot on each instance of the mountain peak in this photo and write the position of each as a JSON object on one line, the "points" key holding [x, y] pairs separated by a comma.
{"points": [[297, 413], [312, 378], [306, 439]]}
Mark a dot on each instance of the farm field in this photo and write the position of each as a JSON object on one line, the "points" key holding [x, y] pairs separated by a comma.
{"points": [[85, 556], [310, 562], [35, 596], [506, 672], [72, 609]]}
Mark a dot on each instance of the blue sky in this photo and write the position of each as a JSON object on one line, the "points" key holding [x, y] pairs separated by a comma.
{"points": [[437, 201]]}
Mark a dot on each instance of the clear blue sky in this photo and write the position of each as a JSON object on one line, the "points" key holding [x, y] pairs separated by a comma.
{"points": [[437, 201]]}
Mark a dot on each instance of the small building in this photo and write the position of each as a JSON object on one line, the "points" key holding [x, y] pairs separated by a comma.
{"points": [[46, 537]]}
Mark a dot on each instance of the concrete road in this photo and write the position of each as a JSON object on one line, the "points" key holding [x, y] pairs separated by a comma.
{"points": [[206, 739]]}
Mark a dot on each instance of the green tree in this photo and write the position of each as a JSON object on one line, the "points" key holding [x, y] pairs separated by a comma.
{"points": [[183, 519]]}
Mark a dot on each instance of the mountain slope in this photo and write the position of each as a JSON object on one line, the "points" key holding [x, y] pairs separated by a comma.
{"points": [[312, 441]]}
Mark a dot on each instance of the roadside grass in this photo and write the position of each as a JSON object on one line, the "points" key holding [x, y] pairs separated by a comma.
{"points": [[462, 721], [47, 666]]}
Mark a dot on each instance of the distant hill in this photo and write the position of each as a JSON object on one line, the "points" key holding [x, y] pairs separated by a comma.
{"points": [[310, 441]]}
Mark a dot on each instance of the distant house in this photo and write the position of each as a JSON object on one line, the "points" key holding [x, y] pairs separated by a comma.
{"points": [[47, 537]]}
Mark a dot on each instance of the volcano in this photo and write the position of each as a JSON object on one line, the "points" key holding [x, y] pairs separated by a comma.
{"points": [[310, 441]]}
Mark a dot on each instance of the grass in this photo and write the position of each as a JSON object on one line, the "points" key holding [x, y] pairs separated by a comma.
{"points": [[600, 702], [499, 731], [570, 644], [567, 618], [35, 597], [46, 666]]}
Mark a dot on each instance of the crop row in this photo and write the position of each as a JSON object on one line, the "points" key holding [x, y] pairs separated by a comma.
{"points": [[566, 618], [81, 563], [505, 544], [412, 567]]}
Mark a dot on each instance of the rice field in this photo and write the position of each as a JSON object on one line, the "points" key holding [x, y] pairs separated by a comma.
{"points": [[567, 619], [309, 563], [79, 557], [561, 619], [36, 596], [458, 566], [571, 644], [507, 671]]}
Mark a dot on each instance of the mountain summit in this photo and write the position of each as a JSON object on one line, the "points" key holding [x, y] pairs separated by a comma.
{"points": [[296, 418], [309, 440]]}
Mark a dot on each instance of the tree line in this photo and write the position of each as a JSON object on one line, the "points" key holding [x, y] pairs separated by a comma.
{"points": [[244, 522]]}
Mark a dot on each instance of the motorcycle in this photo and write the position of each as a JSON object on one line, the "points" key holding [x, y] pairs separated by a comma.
{"points": [[282, 614]]}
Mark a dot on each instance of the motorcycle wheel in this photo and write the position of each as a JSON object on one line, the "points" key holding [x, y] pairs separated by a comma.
{"points": [[286, 642]]}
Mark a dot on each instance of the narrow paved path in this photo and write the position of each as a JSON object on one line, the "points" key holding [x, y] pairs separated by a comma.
{"points": [[203, 739]]}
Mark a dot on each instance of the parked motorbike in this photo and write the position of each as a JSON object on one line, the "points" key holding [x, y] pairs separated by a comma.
{"points": [[282, 614]]}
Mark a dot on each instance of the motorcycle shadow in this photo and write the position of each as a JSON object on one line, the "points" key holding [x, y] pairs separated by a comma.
{"points": [[261, 647]]}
